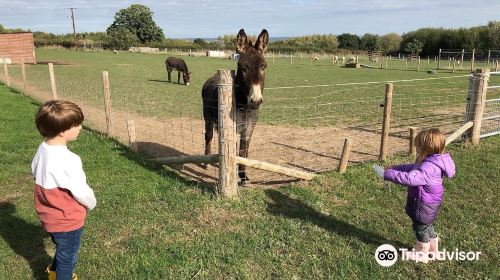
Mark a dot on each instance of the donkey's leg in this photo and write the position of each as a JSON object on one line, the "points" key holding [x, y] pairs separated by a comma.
{"points": [[178, 77], [243, 152], [169, 71], [249, 120], [209, 134]]}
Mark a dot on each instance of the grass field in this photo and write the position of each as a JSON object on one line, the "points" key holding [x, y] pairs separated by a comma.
{"points": [[151, 224], [138, 84]]}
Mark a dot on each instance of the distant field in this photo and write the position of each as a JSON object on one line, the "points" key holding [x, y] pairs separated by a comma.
{"points": [[138, 84]]}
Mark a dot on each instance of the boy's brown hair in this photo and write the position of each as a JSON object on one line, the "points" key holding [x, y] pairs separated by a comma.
{"points": [[429, 141], [56, 116]]}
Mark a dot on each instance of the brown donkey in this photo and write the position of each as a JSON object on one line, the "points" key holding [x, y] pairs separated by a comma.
{"points": [[180, 65], [249, 89]]}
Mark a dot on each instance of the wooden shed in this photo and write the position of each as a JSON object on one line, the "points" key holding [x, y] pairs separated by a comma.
{"points": [[15, 47]]}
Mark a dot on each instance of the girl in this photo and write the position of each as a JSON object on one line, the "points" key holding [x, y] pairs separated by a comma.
{"points": [[425, 189]]}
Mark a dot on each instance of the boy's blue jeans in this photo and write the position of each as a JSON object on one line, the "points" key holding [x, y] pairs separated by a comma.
{"points": [[67, 246]]}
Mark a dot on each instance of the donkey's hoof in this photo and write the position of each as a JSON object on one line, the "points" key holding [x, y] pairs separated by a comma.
{"points": [[244, 180], [244, 183]]}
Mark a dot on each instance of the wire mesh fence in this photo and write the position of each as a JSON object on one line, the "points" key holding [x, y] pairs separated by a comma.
{"points": [[299, 127], [491, 116]]}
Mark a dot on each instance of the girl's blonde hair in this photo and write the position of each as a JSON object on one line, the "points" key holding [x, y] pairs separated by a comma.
{"points": [[429, 141]]}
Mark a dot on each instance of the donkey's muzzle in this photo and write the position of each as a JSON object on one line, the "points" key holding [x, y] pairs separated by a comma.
{"points": [[255, 104]]}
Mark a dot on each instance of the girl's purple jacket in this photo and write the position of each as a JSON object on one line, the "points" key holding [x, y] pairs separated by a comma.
{"points": [[425, 185]]}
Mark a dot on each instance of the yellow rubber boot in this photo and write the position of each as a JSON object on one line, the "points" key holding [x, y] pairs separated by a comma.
{"points": [[52, 274]]}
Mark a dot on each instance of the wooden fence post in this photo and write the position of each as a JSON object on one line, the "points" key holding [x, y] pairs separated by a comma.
{"points": [[52, 81], [386, 121], [6, 72], [131, 135], [411, 147], [107, 101], [473, 59], [227, 135], [481, 77], [462, 59], [346, 152], [23, 71], [439, 60]]}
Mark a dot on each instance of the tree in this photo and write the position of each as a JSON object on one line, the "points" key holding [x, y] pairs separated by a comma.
{"points": [[2, 29], [138, 19], [493, 35], [370, 42], [414, 47], [200, 42], [348, 41], [121, 39], [390, 43]]}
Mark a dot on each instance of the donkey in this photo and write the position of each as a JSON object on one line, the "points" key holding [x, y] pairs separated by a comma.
{"points": [[249, 88], [178, 64]]}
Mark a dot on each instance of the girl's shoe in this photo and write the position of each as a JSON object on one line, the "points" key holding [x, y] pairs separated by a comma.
{"points": [[420, 252], [434, 248]]}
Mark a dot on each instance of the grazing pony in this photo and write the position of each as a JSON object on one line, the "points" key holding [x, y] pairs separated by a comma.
{"points": [[249, 88], [178, 64]]}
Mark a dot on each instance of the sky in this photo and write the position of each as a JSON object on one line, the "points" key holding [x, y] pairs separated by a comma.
{"points": [[282, 18]]}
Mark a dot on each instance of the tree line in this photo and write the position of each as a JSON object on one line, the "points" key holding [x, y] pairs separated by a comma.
{"points": [[134, 26]]}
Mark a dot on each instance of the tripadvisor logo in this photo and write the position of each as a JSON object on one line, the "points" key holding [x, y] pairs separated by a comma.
{"points": [[386, 255]]}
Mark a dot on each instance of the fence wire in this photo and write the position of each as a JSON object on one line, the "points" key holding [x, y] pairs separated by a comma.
{"points": [[298, 128]]}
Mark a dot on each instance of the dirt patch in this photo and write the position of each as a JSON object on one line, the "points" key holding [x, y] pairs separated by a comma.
{"points": [[11, 197], [311, 149], [59, 62]]}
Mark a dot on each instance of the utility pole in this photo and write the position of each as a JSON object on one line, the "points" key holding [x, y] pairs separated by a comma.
{"points": [[74, 30]]}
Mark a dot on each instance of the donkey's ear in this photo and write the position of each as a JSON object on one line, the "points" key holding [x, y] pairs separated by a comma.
{"points": [[242, 43], [262, 41]]}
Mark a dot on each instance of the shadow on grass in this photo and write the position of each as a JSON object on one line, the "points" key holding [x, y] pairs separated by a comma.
{"points": [[195, 171], [25, 239], [149, 150], [166, 81], [159, 81], [283, 205]]}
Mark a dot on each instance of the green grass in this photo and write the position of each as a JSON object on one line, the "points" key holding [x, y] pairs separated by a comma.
{"points": [[151, 224], [138, 84]]}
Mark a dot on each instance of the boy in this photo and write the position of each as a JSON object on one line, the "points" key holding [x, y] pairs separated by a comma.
{"points": [[62, 195]]}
